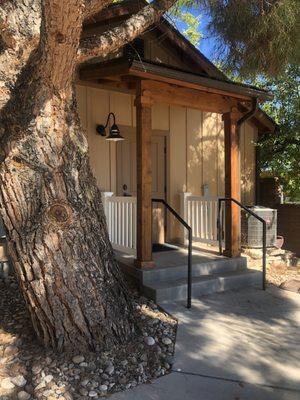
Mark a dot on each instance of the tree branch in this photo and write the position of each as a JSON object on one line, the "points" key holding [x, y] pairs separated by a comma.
{"points": [[115, 38], [93, 7]]}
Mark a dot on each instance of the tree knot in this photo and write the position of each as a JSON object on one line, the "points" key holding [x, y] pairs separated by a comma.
{"points": [[60, 38], [60, 214]]}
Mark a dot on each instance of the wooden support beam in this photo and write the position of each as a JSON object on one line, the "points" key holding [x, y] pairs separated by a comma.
{"points": [[144, 179], [126, 86], [110, 68], [161, 92], [182, 82], [232, 184]]}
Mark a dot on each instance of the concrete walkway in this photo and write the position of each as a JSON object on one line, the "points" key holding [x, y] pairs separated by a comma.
{"points": [[238, 345]]}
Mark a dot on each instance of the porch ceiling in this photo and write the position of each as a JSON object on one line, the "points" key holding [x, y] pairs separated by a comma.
{"points": [[124, 70]]}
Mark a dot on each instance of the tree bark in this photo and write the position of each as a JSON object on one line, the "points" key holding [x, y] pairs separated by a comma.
{"points": [[113, 39], [50, 203]]}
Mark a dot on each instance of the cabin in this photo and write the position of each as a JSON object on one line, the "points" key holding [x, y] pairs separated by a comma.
{"points": [[163, 123]]}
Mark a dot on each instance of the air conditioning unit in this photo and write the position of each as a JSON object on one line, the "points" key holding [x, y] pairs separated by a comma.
{"points": [[252, 228]]}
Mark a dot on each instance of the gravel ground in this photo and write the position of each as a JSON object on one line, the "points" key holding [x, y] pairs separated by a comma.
{"points": [[280, 273], [279, 270], [29, 372]]}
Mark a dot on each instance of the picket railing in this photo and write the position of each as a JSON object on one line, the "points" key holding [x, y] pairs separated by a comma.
{"points": [[201, 213], [120, 215]]}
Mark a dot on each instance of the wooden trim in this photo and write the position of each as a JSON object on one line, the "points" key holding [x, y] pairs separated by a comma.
{"points": [[144, 179], [126, 70], [231, 88], [159, 78], [232, 184], [116, 67], [160, 92]]}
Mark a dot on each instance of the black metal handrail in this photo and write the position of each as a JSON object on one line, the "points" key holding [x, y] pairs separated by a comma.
{"points": [[264, 233], [190, 239]]}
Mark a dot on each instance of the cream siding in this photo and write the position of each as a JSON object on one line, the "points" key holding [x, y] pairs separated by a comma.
{"points": [[194, 151], [248, 162], [177, 163], [195, 145]]}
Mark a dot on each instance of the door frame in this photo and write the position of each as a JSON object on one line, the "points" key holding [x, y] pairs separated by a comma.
{"points": [[166, 135], [131, 130]]}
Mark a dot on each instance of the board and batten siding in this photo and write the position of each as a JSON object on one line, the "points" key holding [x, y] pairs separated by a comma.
{"points": [[195, 160]]}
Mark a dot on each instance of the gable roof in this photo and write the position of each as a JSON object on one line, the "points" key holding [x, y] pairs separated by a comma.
{"points": [[201, 65]]}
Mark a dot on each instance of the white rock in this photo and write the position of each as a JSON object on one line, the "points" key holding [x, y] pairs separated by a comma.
{"points": [[19, 381], [7, 384], [167, 341], [47, 393], [48, 378], [83, 364], [103, 388], [78, 359], [23, 395], [149, 341], [92, 393]]}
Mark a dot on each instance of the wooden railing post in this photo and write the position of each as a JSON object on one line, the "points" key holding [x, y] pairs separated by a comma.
{"points": [[144, 178], [232, 184]]}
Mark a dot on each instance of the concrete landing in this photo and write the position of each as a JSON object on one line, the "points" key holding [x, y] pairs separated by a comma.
{"points": [[241, 344], [211, 273]]}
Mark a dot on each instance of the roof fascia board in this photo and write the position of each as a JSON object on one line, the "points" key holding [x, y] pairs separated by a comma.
{"points": [[202, 81]]}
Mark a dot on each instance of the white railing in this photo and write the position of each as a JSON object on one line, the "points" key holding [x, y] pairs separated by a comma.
{"points": [[201, 214], [120, 215]]}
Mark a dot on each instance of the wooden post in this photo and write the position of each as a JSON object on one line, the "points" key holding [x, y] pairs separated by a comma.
{"points": [[232, 184], [144, 179]]}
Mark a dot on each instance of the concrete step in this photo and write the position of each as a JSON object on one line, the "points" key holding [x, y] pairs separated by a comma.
{"points": [[202, 285], [199, 269]]}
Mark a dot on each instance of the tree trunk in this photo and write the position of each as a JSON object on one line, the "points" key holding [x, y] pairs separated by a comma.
{"points": [[51, 205]]}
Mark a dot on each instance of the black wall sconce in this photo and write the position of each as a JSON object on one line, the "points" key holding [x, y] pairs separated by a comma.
{"points": [[114, 132]]}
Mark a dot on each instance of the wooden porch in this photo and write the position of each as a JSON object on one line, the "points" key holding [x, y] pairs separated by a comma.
{"points": [[151, 84]]}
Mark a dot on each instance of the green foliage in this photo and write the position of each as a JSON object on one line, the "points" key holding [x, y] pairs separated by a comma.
{"points": [[192, 27], [253, 36], [279, 154], [256, 36], [180, 13]]}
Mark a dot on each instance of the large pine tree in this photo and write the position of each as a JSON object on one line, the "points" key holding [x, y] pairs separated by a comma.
{"points": [[50, 203]]}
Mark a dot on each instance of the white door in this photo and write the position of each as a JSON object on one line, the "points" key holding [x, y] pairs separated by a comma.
{"points": [[126, 174]]}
